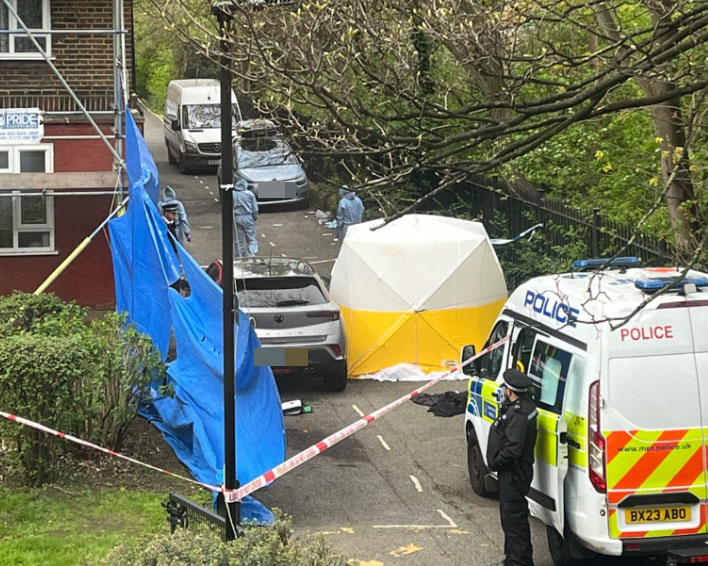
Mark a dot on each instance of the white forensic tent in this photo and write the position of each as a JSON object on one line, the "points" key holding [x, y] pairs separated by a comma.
{"points": [[415, 291]]}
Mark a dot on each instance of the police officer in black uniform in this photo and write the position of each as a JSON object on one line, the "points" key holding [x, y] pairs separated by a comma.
{"points": [[510, 450]]}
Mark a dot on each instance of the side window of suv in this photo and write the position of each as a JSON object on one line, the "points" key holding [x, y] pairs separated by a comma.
{"points": [[491, 363]]}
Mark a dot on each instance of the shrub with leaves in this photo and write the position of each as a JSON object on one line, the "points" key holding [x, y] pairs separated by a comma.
{"points": [[259, 546], [84, 379], [40, 379], [26, 312], [126, 363]]}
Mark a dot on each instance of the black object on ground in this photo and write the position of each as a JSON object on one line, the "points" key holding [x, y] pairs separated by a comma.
{"points": [[446, 404]]}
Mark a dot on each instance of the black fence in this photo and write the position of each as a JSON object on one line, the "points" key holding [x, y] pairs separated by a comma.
{"points": [[181, 512], [489, 200]]}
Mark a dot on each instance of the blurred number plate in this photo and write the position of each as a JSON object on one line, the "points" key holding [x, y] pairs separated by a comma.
{"points": [[213, 162], [657, 515], [276, 189]]}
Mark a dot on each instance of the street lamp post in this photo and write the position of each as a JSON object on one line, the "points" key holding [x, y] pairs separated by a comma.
{"points": [[224, 16]]}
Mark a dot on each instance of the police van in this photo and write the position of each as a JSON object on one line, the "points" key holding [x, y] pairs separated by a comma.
{"points": [[619, 364]]}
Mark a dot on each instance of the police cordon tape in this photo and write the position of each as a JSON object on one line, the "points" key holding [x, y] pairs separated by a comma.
{"points": [[280, 470], [48, 430], [322, 445]]}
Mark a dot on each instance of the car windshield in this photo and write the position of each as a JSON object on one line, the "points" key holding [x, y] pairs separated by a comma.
{"points": [[278, 292], [198, 116], [263, 153]]}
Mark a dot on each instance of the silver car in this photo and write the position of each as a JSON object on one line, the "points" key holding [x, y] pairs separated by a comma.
{"points": [[289, 306], [268, 164]]}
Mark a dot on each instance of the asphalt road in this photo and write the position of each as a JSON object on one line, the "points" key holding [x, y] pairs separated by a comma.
{"points": [[396, 492]]}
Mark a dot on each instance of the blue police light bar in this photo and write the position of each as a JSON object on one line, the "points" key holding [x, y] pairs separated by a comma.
{"points": [[656, 283], [618, 262]]}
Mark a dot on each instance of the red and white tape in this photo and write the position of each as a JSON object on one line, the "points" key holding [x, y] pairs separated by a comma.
{"points": [[322, 445], [282, 469], [48, 430]]}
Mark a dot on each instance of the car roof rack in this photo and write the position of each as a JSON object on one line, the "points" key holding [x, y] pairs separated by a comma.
{"points": [[257, 128]]}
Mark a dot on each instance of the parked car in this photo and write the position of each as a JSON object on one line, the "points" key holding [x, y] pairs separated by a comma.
{"points": [[289, 306], [192, 123], [268, 164]]}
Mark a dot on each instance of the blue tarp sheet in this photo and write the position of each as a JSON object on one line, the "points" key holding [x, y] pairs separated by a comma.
{"points": [[145, 265]]}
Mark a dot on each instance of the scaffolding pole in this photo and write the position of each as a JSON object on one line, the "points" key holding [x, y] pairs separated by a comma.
{"points": [[73, 255], [56, 71]]}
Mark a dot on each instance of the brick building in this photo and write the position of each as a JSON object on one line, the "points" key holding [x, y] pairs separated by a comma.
{"points": [[58, 178]]}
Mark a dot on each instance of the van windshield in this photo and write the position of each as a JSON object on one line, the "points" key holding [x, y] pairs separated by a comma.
{"points": [[264, 153], [198, 116]]}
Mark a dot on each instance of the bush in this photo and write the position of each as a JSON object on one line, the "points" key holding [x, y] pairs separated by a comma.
{"points": [[26, 312], [87, 380], [40, 380], [259, 546], [126, 364]]}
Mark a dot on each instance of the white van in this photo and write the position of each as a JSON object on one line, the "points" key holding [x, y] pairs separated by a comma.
{"points": [[620, 379], [193, 123]]}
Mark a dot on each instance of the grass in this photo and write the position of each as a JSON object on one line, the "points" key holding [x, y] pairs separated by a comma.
{"points": [[56, 527]]}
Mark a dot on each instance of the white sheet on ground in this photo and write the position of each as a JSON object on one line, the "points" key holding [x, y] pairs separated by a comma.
{"points": [[409, 372]]}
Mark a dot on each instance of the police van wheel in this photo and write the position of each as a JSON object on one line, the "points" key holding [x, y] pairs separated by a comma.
{"points": [[475, 466], [170, 158], [559, 548]]}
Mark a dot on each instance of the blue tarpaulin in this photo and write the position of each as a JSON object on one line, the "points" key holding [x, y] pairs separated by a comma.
{"points": [[145, 266]]}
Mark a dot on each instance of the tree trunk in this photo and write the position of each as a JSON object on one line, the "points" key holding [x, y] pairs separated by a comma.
{"points": [[676, 172]]}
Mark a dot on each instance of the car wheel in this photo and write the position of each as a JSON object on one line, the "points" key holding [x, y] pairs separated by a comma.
{"points": [[475, 466], [181, 164], [170, 158], [336, 379]]}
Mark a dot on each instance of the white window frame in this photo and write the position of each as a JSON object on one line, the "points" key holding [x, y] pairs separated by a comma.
{"points": [[37, 32], [18, 227], [14, 157]]}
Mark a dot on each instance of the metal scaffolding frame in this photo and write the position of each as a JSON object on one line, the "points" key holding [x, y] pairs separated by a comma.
{"points": [[119, 78]]}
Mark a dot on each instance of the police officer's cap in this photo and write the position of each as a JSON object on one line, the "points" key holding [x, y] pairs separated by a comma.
{"points": [[516, 381], [170, 206]]}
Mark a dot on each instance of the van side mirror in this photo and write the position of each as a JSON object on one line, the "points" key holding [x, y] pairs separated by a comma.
{"points": [[175, 125], [468, 352]]}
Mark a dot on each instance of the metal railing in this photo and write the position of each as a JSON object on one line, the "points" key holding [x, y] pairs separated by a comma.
{"points": [[181, 512], [489, 198]]}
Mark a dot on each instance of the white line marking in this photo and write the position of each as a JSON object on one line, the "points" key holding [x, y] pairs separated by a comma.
{"points": [[450, 524], [201, 181], [210, 192], [283, 254], [328, 234], [263, 235], [216, 200], [358, 411], [447, 518], [277, 225], [416, 483], [383, 442], [272, 244]]}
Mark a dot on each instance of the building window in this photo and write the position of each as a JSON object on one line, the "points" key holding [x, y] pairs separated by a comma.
{"points": [[36, 158], [26, 223], [35, 15], [26, 220]]}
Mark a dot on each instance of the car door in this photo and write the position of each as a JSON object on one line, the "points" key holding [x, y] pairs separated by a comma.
{"points": [[548, 365]]}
